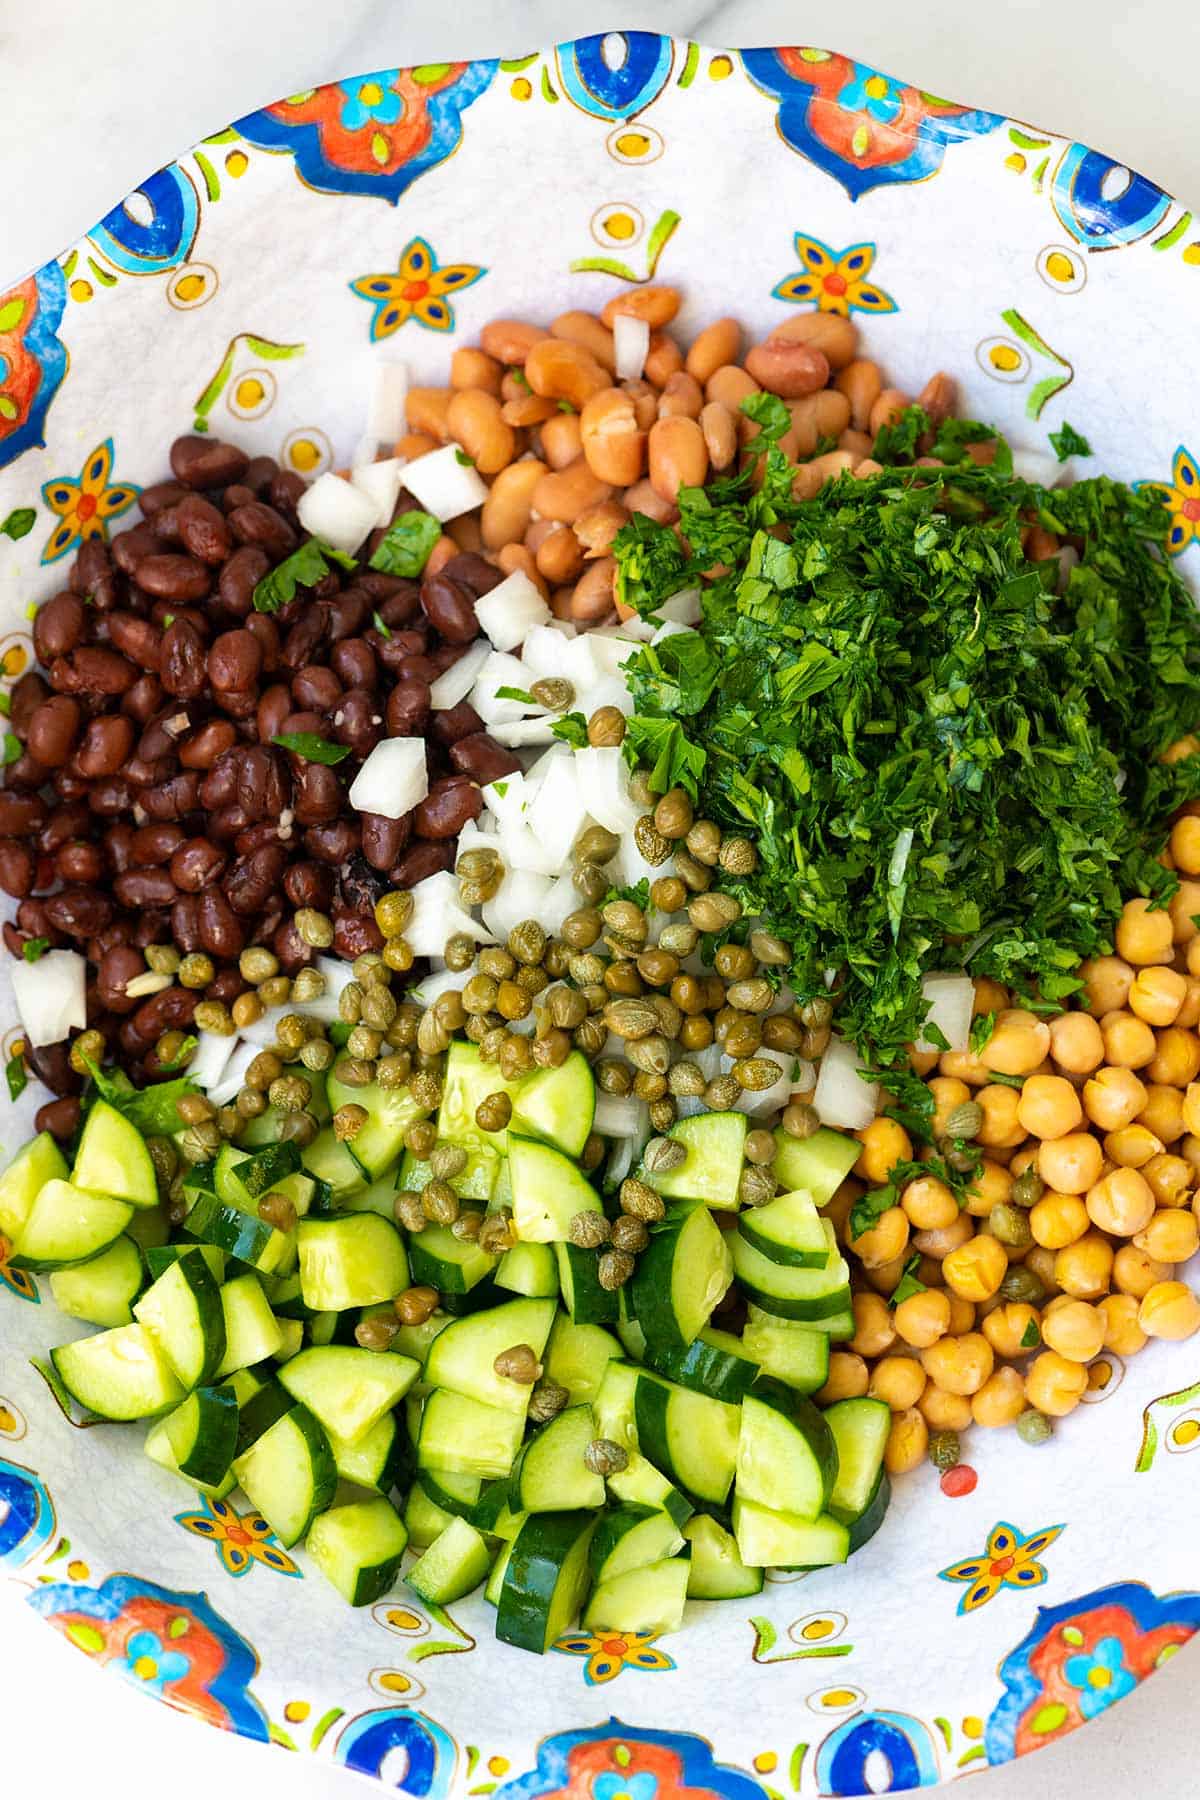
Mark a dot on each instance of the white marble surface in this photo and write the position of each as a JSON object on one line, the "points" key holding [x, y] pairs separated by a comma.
{"points": [[82, 119]]}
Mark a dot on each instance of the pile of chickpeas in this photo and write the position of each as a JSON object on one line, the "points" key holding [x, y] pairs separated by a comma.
{"points": [[1083, 1209]]}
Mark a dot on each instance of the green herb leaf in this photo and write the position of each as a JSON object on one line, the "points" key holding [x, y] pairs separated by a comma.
{"points": [[520, 377], [19, 523], [381, 628], [33, 949], [311, 747], [405, 546], [154, 1110], [1068, 442], [674, 760], [572, 729], [186, 1050], [511, 693], [12, 749], [303, 568], [18, 1078], [982, 1027], [1031, 1337], [461, 457], [770, 414], [638, 892], [897, 442], [908, 1283]]}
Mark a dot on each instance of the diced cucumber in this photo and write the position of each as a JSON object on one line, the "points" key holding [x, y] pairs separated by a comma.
{"points": [[781, 1540], [787, 1230], [451, 1265], [557, 1105], [382, 1457], [183, 1313], [715, 1363], [650, 1599], [66, 1225], [529, 1269], [327, 1159], [359, 1548], [241, 1234], [158, 1448], [288, 1474], [348, 1390], [265, 1128], [860, 1430], [577, 1357], [160, 1257], [717, 1572], [819, 1164], [490, 1508], [467, 1435], [149, 1226], [804, 1294], [260, 1403], [545, 1579], [681, 1275], [616, 1404], [863, 1529], [112, 1158], [101, 1290], [690, 1437], [467, 1081], [455, 1563], [201, 1434], [242, 1177], [291, 1339], [551, 1474], [547, 1191], [415, 1340], [584, 1296], [495, 1581], [795, 1354], [477, 1181], [286, 1297], [787, 1457], [633, 1338], [424, 1519], [351, 1261], [463, 1357], [36, 1163], [631, 1537], [711, 1170], [641, 1484], [390, 1112], [456, 1494], [379, 1198], [251, 1329], [119, 1374], [333, 1327]]}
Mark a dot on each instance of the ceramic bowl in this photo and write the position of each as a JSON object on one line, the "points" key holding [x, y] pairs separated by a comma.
{"points": [[251, 289]]}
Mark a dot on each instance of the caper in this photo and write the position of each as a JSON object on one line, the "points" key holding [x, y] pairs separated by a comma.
{"points": [[686, 1080], [590, 881], [680, 939], [317, 1054], [770, 949], [494, 1111], [663, 1154], [713, 912], [1027, 1189], [551, 1050], [722, 1093], [1034, 1427], [527, 941], [393, 911], [478, 865], [459, 952], [800, 1119], [495, 961], [516, 1057], [673, 816], [667, 894], [654, 847], [196, 970], [704, 841], [756, 1186], [630, 1018], [606, 727], [554, 692], [965, 1120], [581, 929], [591, 1036], [164, 959], [350, 1003], [364, 1041], [595, 845], [313, 928], [614, 1268], [944, 1450], [1023, 1285], [257, 964], [613, 1077], [737, 856], [290, 1093], [432, 1036]]}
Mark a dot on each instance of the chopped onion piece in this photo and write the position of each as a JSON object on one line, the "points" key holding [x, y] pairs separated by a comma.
{"points": [[617, 1117], [500, 670], [524, 731], [557, 813], [519, 849], [611, 649], [631, 345], [338, 974], [363, 454], [50, 996], [951, 1001], [392, 780], [335, 511], [380, 482], [670, 628], [682, 608], [385, 411], [1039, 466], [842, 1098], [233, 1076], [537, 771], [560, 902], [456, 682], [209, 1058], [582, 668], [471, 838], [610, 690], [522, 895], [438, 915], [604, 778], [505, 799], [443, 485], [262, 1032], [437, 983], [629, 866], [546, 649], [510, 611]]}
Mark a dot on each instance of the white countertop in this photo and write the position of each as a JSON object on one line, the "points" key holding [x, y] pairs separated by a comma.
{"points": [[81, 122]]}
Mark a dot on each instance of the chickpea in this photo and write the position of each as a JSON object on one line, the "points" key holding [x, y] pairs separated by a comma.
{"points": [[1163, 1112], [1132, 1146], [1135, 1273], [838, 1209], [991, 1187], [1169, 1310], [1143, 936], [874, 1330], [1071, 1164], [963, 1066], [1170, 1178], [1185, 844], [1176, 1060], [1041, 1262], [940, 1243], [1115, 1097], [907, 1442], [1191, 1108], [1189, 1150], [1189, 1012], [1001, 1128], [847, 1380], [1074, 1329], [976, 1270], [1055, 1385], [962, 1315], [1171, 1236], [1019, 1042], [1048, 1106], [989, 996], [961, 1365], [1007, 1327], [900, 1380], [942, 1411], [1185, 904], [928, 1204], [1083, 1269], [1076, 1044], [1058, 1220], [1129, 1042], [947, 1093], [1122, 1203], [1106, 983], [884, 1241], [1122, 1332], [884, 1276], [923, 1318], [884, 1144], [1001, 1399], [1157, 995]]}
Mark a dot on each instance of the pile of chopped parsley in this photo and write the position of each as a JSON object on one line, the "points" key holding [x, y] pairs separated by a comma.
{"points": [[944, 762]]}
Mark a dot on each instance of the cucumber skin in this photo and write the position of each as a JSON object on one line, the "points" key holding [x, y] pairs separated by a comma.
{"points": [[863, 1529], [697, 1367], [534, 1565]]}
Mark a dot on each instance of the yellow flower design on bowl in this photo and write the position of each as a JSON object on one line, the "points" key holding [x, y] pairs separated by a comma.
{"points": [[1181, 497], [417, 291], [1010, 1560], [834, 280], [86, 504]]}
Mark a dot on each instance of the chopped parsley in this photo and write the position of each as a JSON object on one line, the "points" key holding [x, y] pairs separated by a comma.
{"points": [[405, 546], [33, 949], [311, 747], [11, 749], [982, 1027], [908, 1285], [512, 693], [639, 893], [1031, 1337], [153, 1109], [572, 729], [1068, 442], [303, 568], [381, 627], [184, 1054]]}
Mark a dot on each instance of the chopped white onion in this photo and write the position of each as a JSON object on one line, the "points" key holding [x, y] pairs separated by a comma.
{"points": [[756, 1102], [456, 682], [709, 1061], [537, 771], [524, 731], [209, 1058], [1039, 466], [641, 630], [557, 813], [618, 1117], [671, 628], [438, 915], [560, 902], [385, 410], [521, 896], [443, 485], [505, 801], [682, 608], [261, 1033], [520, 850], [951, 1001], [499, 670], [363, 454], [511, 610], [629, 866], [631, 345], [842, 1098], [392, 780], [472, 838], [546, 650], [611, 649], [50, 996], [380, 482], [435, 984], [583, 671], [335, 511], [610, 690], [233, 1076], [604, 778]]}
